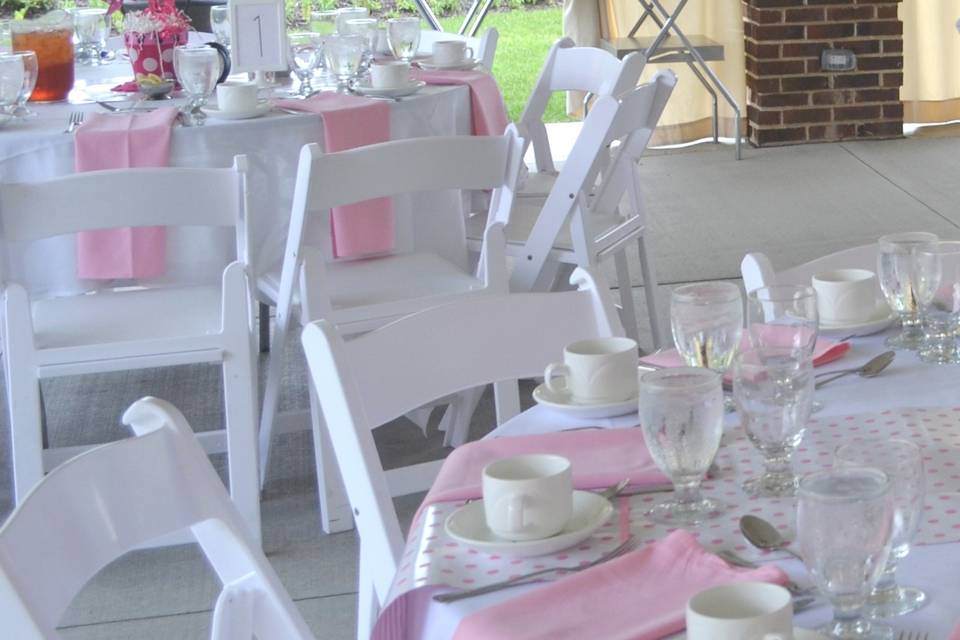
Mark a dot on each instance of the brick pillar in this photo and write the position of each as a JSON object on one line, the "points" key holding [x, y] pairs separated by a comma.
{"points": [[790, 100]]}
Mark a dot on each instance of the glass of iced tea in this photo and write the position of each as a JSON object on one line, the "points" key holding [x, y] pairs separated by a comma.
{"points": [[51, 37]]}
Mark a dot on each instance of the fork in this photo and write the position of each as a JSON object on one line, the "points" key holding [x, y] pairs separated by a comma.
{"points": [[527, 578], [913, 635], [76, 119]]}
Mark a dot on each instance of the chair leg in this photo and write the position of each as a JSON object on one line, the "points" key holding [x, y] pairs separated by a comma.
{"points": [[650, 290], [458, 416], [23, 403], [368, 607], [263, 317], [628, 313], [240, 403], [335, 513], [507, 397]]}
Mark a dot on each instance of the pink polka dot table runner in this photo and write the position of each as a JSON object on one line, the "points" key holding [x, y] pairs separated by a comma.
{"points": [[433, 559]]}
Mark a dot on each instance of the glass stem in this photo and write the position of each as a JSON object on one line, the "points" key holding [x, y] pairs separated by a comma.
{"points": [[887, 584], [777, 465], [847, 620], [687, 492]]}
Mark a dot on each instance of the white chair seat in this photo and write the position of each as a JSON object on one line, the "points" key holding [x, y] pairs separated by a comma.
{"points": [[126, 316], [538, 184]]}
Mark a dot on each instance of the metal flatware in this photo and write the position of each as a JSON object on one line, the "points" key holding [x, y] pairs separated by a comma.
{"points": [[76, 119], [913, 635], [743, 563], [528, 578], [764, 535], [869, 369]]}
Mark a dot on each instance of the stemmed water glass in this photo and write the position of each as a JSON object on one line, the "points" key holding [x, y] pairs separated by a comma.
{"points": [[937, 283], [324, 23], [197, 69], [220, 24], [895, 266], [366, 28], [350, 13], [844, 526], [30, 72], [403, 37], [11, 82], [773, 389], [306, 50], [92, 29], [681, 414], [902, 461], [344, 55]]}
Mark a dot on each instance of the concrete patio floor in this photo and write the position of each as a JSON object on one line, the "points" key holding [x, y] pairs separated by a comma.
{"points": [[706, 210]]}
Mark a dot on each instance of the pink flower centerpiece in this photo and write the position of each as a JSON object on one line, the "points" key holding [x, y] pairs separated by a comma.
{"points": [[150, 37]]}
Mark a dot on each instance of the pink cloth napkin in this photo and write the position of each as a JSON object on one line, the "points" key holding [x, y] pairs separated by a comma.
{"points": [[120, 141], [641, 596], [486, 101], [825, 351], [600, 458], [955, 634], [363, 228]]}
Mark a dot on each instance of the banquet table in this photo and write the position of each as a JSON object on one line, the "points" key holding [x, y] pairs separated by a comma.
{"points": [[37, 149], [909, 391]]}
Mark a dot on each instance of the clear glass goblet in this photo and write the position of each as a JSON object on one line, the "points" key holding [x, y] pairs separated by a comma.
{"points": [[403, 37], [895, 267], [844, 527], [366, 28], [11, 82], [324, 23], [773, 389], [91, 28], [350, 13], [306, 49], [197, 68], [220, 24], [937, 283], [30, 69], [344, 55], [681, 414], [902, 461]]}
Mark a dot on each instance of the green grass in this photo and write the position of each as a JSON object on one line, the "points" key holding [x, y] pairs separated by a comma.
{"points": [[525, 39]]}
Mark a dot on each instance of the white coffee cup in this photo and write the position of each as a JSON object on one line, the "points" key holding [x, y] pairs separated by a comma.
{"points": [[846, 295], [528, 497], [451, 52], [600, 370], [236, 96], [389, 75], [741, 611]]}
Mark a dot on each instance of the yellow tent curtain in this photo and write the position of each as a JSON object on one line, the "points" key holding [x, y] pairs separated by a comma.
{"points": [[931, 49]]}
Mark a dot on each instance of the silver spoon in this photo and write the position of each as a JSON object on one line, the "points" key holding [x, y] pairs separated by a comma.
{"points": [[764, 535], [869, 369]]}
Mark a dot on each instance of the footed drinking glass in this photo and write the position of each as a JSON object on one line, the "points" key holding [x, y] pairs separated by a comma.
{"points": [[403, 37], [197, 68], [895, 267], [937, 281]]}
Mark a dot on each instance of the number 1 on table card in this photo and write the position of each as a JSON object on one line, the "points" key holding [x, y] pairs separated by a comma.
{"points": [[258, 35]]}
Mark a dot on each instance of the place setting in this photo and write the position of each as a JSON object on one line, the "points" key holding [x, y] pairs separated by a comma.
{"points": [[449, 55]]}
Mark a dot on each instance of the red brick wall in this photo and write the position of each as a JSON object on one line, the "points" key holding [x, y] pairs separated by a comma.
{"points": [[790, 100]]}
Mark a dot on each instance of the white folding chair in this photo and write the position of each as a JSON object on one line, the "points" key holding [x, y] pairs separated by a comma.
{"points": [[137, 327], [383, 374], [484, 47], [110, 500], [360, 295], [757, 270], [569, 68], [589, 218]]}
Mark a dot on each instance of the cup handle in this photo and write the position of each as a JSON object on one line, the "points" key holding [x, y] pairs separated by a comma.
{"points": [[224, 60], [515, 506], [556, 369], [468, 53]]}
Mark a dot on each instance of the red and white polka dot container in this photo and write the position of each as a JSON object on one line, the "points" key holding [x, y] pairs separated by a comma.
{"points": [[151, 54]]}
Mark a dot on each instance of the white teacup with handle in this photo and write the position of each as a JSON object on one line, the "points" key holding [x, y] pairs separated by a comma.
{"points": [[451, 52], [741, 611], [847, 295], [528, 497], [595, 371]]}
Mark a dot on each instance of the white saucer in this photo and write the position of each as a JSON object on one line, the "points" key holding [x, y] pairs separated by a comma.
{"points": [[799, 633], [465, 65], [260, 109], [468, 525], [389, 92], [541, 395], [882, 319]]}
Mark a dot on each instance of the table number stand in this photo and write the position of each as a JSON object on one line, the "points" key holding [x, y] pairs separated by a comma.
{"points": [[259, 38]]}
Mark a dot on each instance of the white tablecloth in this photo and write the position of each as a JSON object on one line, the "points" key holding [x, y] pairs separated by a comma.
{"points": [[907, 383], [38, 149]]}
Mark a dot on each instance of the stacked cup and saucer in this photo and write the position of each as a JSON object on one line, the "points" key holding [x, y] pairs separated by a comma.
{"points": [[238, 100], [529, 508], [597, 379], [449, 55], [851, 303], [388, 79]]}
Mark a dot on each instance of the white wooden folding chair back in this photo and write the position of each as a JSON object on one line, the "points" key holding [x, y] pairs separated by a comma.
{"points": [[328, 180], [603, 213], [757, 270], [484, 47], [571, 68], [112, 499], [131, 329], [383, 374]]}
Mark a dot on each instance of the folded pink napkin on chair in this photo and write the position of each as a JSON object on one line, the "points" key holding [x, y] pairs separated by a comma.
{"points": [[600, 458], [641, 596], [120, 141], [825, 351], [363, 228], [486, 101]]}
